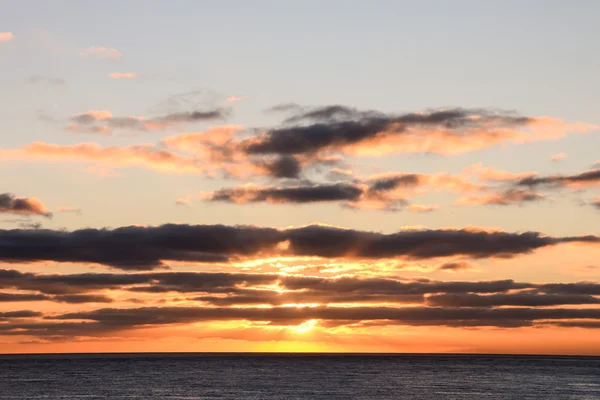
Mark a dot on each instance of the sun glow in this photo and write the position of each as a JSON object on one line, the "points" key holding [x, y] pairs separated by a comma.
{"points": [[305, 327]]}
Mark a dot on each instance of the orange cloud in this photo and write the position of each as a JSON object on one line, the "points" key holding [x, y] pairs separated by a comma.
{"points": [[231, 99], [183, 201], [11, 204], [123, 75], [101, 52], [420, 208], [492, 174], [6, 36], [452, 142], [146, 156]]}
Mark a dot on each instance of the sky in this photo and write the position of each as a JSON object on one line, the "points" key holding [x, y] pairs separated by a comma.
{"points": [[344, 176]]}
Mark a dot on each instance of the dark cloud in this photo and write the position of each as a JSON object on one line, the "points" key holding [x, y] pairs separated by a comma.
{"points": [[454, 266], [143, 248], [154, 282], [13, 297], [516, 299], [382, 286], [22, 205], [134, 247], [82, 298], [286, 107], [69, 298], [282, 167], [295, 194], [587, 178], [418, 244], [121, 319], [194, 116], [591, 288], [329, 113], [337, 126], [4, 315], [505, 198]]}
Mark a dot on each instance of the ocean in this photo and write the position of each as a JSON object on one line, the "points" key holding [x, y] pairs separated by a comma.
{"points": [[297, 376]]}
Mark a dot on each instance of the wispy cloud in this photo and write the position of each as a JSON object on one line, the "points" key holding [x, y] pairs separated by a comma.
{"points": [[232, 99], [421, 208], [101, 52], [6, 36], [123, 75], [103, 122], [68, 209], [35, 79], [558, 157], [508, 197]]}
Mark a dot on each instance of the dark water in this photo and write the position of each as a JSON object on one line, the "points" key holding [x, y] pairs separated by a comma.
{"points": [[245, 376]]}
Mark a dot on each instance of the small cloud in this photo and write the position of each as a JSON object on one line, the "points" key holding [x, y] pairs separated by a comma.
{"points": [[454, 267], [6, 36], [101, 52], [30, 225], [123, 75], [231, 99], [11, 204], [420, 208], [67, 209], [102, 171], [38, 79], [558, 157], [183, 201], [596, 163]]}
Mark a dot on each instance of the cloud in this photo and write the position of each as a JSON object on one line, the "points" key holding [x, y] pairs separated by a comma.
{"points": [[122, 319], [435, 303], [517, 299], [34, 79], [596, 203], [123, 75], [492, 174], [421, 208], [23, 205], [67, 209], [590, 178], [6, 36], [232, 99], [558, 157], [183, 201], [379, 192], [298, 194], [153, 282], [145, 156], [145, 248], [4, 315], [508, 197], [101, 52], [30, 225], [454, 267], [103, 122], [453, 131]]}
